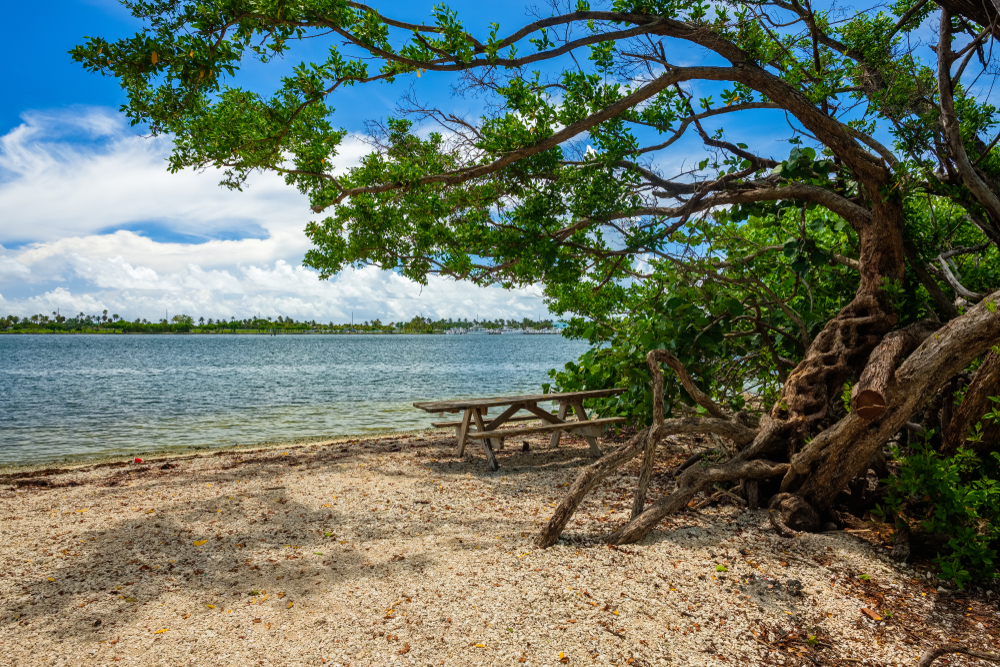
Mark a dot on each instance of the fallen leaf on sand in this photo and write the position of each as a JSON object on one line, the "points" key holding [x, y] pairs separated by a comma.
{"points": [[51, 579], [256, 620], [290, 603], [404, 650], [210, 606], [871, 614], [562, 657], [159, 631], [198, 543], [480, 645], [185, 615]]}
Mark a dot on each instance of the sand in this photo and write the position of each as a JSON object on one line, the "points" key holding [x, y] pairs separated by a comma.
{"points": [[389, 551]]}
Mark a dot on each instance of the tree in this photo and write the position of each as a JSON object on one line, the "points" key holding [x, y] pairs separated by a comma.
{"points": [[575, 177]]}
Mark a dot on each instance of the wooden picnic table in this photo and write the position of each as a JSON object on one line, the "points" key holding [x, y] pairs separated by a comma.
{"points": [[475, 409]]}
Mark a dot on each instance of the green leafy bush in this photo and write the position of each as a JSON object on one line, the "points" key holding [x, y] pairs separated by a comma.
{"points": [[956, 499]]}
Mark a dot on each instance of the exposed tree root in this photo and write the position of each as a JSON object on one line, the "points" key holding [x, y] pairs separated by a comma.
{"points": [[688, 484], [903, 373], [791, 515], [933, 654], [597, 471]]}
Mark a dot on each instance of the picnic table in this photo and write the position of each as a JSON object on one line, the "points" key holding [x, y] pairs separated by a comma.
{"points": [[475, 410]]}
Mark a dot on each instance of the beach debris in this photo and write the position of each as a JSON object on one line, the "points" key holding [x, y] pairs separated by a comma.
{"points": [[871, 614], [137, 460]]}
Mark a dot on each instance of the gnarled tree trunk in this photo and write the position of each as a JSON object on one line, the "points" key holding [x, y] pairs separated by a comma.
{"points": [[905, 371], [985, 384]]}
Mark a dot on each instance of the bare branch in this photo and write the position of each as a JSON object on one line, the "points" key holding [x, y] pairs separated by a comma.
{"points": [[962, 291]]}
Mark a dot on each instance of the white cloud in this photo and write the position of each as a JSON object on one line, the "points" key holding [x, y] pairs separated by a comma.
{"points": [[270, 290], [73, 184]]}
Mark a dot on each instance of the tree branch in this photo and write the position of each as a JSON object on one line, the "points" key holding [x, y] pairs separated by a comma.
{"points": [[943, 258], [949, 122]]}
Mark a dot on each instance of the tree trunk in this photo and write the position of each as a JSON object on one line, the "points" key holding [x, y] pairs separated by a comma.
{"points": [[817, 473], [940, 357], [887, 396], [976, 403], [868, 395]]}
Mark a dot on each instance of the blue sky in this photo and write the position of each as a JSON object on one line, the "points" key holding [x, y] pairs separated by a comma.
{"points": [[90, 219]]}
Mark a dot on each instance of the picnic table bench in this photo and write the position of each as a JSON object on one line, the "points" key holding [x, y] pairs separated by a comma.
{"points": [[475, 410]]}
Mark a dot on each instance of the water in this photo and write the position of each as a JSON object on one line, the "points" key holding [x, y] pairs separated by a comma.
{"points": [[88, 395]]}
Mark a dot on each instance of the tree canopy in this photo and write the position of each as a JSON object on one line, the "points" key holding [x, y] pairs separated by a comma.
{"points": [[796, 207]]}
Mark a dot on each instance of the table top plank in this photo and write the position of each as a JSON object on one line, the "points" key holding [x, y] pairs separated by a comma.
{"points": [[469, 403]]}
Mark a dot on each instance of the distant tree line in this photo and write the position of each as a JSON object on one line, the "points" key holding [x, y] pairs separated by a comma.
{"points": [[114, 323]]}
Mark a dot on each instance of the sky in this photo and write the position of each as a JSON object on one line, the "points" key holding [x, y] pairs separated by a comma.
{"points": [[90, 219]]}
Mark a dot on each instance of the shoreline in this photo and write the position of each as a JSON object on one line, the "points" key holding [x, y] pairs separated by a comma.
{"points": [[184, 452]]}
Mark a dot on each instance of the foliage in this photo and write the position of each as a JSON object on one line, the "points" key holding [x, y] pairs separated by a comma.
{"points": [[956, 498], [720, 314]]}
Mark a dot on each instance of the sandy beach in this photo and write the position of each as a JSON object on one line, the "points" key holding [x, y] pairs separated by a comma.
{"points": [[389, 551]]}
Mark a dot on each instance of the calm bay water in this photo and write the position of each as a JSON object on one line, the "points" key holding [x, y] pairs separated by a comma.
{"points": [[84, 395]]}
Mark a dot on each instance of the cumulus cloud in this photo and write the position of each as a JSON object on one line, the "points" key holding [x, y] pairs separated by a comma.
{"points": [[280, 288], [93, 221]]}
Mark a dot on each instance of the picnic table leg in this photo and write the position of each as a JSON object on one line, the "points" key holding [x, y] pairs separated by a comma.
{"points": [[563, 409], [581, 414], [487, 447], [463, 432]]}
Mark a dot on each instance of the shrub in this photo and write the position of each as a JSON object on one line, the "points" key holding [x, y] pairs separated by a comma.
{"points": [[955, 501]]}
